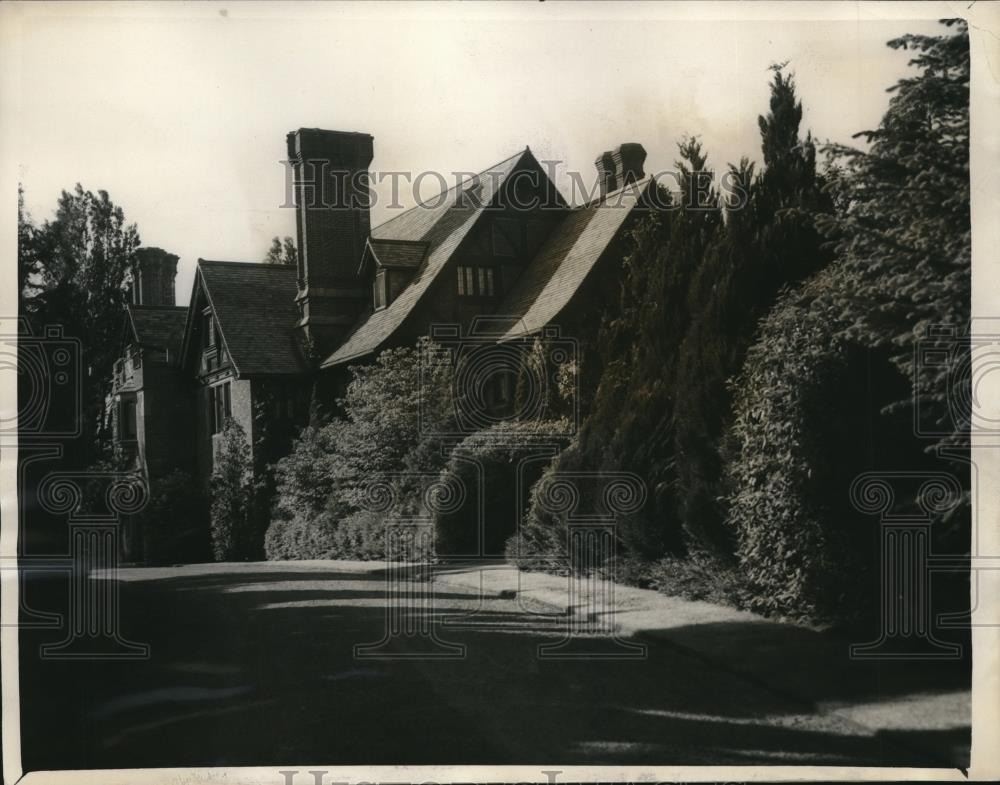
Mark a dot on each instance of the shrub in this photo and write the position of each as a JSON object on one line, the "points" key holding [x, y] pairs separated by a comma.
{"points": [[831, 381], [235, 506], [389, 410], [301, 537], [494, 470], [307, 476], [813, 410], [173, 523], [360, 535], [379, 432], [363, 536], [543, 539], [700, 575]]}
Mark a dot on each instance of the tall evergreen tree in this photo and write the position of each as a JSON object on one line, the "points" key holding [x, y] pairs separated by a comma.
{"points": [[629, 426], [769, 241], [815, 399], [903, 232]]}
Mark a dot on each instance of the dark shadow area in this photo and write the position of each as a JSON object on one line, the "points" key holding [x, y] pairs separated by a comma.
{"points": [[232, 681], [813, 667]]}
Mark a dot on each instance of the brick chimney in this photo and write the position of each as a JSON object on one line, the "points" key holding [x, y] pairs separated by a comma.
{"points": [[332, 224], [153, 277], [619, 167]]}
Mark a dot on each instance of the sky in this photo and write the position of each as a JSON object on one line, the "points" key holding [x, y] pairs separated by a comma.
{"points": [[180, 113]]}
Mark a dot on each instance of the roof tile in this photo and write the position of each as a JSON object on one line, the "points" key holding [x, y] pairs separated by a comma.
{"points": [[565, 259], [159, 327], [442, 222], [256, 311]]}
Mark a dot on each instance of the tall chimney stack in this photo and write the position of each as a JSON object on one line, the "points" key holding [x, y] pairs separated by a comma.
{"points": [[153, 277], [620, 167], [332, 224]]}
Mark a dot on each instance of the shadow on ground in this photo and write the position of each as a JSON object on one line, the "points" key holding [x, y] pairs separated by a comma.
{"points": [[256, 666]]}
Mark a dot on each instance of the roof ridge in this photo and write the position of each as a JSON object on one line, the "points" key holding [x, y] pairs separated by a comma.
{"points": [[452, 188], [247, 264], [405, 242], [215, 312]]}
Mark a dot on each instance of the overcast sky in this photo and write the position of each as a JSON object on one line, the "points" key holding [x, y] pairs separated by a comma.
{"points": [[181, 113]]}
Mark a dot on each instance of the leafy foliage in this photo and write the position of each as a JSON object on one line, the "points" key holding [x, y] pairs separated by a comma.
{"points": [[306, 477], [74, 270], [391, 415], [282, 252], [768, 241], [903, 232], [234, 507], [828, 379], [491, 472], [173, 521], [301, 537], [363, 536], [694, 287]]}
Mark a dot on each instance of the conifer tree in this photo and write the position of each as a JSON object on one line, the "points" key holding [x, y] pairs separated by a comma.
{"points": [[769, 241]]}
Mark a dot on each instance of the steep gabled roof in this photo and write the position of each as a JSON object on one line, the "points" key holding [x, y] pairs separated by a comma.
{"points": [[399, 254], [442, 222], [159, 327], [254, 306], [566, 259]]}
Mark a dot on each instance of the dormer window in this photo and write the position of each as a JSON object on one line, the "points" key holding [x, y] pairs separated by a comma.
{"points": [[379, 290]]}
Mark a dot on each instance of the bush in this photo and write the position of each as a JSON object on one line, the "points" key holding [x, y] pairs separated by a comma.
{"points": [[173, 523], [494, 470], [813, 411], [543, 539], [698, 576], [305, 478], [360, 535], [363, 536], [322, 479], [236, 507], [301, 537], [828, 389]]}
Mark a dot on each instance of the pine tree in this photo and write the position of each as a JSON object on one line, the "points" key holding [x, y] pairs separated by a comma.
{"points": [[769, 241], [814, 401], [904, 231]]}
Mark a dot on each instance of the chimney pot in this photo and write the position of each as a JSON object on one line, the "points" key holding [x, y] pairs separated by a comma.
{"points": [[620, 167], [153, 277]]}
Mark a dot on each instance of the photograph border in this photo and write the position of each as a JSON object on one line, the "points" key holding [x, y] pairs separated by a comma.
{"points": [[984, 39]]}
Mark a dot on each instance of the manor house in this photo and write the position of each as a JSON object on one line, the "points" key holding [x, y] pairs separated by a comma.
{"points": [[266, 344]]}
